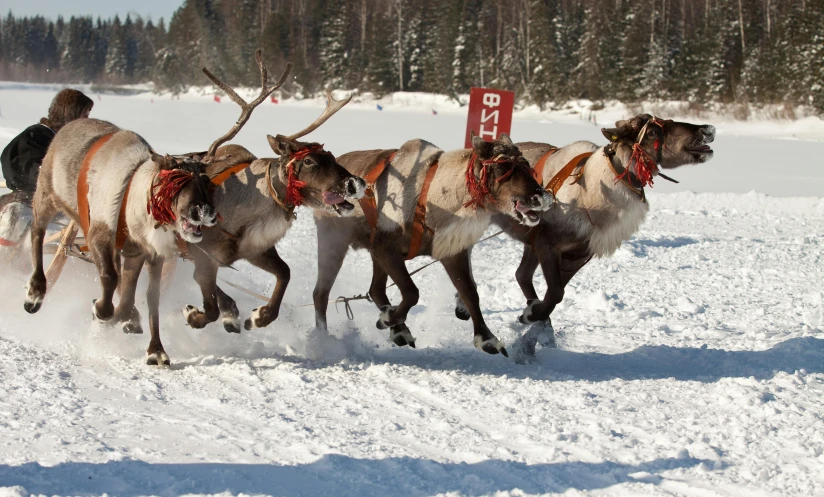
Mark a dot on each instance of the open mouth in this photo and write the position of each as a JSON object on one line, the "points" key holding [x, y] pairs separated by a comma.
{"points": [[701, 151], [337, 203], [190, 230], [526, 215]]}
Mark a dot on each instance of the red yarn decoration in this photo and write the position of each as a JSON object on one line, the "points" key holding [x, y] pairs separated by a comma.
{"points": [[164, 191], [294, 196], [293, 186], [645, 166], [478, 187]]}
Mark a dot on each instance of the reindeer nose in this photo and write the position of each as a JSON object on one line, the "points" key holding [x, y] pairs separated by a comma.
{"points": [[194, 214], [541, 201], [354, 187], [707, 133]]}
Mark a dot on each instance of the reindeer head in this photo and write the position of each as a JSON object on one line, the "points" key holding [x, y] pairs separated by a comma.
{"points": [[181, 196], [498, 174], [670, 144], [324, 184]]}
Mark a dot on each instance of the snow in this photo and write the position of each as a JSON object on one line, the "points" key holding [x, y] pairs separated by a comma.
{"points": [[689, 363]]}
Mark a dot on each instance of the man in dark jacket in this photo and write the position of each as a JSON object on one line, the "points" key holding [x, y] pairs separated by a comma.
{"points": [[22, 157]]}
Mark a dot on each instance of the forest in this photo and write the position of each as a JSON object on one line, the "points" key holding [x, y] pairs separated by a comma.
{"points": [[704, 52]]}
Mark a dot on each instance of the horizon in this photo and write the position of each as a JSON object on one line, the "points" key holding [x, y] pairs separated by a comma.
{"points": [[104, 9]]}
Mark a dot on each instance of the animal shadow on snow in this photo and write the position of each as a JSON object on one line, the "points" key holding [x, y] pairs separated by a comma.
{"points": [[337, 475], [646, 362]]}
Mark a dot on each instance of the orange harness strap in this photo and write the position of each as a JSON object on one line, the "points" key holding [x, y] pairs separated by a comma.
{"points": [[367, 202], [419, 222], [561, 176], [227, 173], [83, 184], [539, 166]]}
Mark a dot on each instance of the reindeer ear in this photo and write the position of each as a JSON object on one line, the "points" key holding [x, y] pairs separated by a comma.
{"points": [[505, 139], [480, 146], [162, 162], [611, 134], [282, 145]]}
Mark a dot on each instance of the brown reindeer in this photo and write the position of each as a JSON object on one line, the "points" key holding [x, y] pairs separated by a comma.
{"points": [[600, 203], [257, 199], [423, 201], [101, 177]]}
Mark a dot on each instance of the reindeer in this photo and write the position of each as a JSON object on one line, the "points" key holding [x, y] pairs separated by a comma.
{"points": [[101, 176], [257, 199], [422, 201], [600, 203]]}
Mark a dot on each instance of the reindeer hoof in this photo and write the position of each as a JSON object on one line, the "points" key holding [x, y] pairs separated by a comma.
{"points": [[385, 319], [260, 318], [158, 359], [461, 312], [32, 306], [401, 336], [526, 317], [132, 328], [490, 345], [231, 323], [104, 314]]}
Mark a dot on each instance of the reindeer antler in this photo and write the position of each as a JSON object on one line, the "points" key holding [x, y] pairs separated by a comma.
{"points": [[332, 106], [247, 107]]}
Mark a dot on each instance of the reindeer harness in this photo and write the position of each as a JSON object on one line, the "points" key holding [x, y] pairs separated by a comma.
{"points": [[158, 205]]}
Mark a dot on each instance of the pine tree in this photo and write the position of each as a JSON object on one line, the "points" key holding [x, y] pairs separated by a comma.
{"points": [[334, 53]]}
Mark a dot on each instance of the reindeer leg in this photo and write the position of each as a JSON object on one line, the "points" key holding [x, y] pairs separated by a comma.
{"points": [[106, 258], [332, 246], [229, 314], [459, 269], [398, 334], [525, 272], [205, 276], [271, 262], [43, 211], [393, 263], [126, 313], [461, 312], [539, 310], [155, 355]]}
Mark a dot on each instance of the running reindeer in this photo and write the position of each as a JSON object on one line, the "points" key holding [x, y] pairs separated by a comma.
{"points": [[257, 199], [101, 176], [422, 201], [600, 203]]}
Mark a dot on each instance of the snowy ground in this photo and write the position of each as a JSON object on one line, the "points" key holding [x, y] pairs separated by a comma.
{"points": [[690, 363]]}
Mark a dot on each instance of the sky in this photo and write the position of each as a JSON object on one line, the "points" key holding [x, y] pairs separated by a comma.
{"points": [[103, 8]]}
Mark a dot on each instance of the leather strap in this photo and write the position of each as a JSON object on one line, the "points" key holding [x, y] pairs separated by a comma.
{"points": [[418, 223], [368, 203], [539, 166], [83, 184], [222, 176], [561, 176]]}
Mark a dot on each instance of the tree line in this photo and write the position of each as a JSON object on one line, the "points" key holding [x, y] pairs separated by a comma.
{"points": [[547, 51]]}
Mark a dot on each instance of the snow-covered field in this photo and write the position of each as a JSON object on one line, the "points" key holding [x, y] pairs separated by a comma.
{"points": [[690, 363]]}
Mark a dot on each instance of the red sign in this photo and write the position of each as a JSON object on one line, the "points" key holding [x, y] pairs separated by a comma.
{"points": [[490, 113]]}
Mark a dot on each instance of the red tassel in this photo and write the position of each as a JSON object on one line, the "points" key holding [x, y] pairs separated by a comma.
{"points": [[164, 191], [478, 187], [293, 187], [645, 166]]}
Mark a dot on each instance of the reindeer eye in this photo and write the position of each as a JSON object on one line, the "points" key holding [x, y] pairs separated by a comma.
{"points": [[308, 162]]}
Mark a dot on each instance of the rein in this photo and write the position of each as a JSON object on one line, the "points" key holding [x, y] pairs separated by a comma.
{"points": [[642, 166]]}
